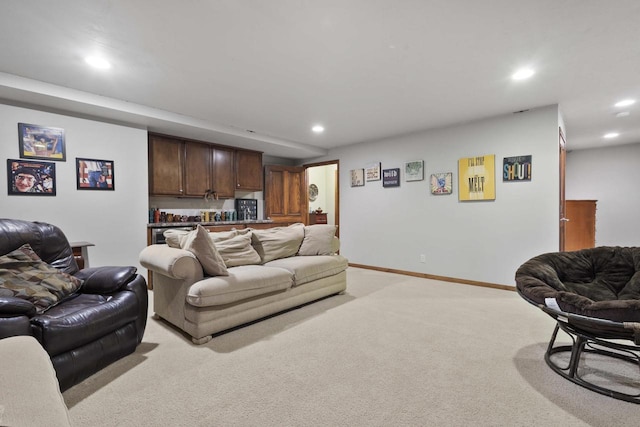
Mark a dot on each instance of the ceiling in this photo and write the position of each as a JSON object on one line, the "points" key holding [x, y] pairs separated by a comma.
{"points": [[259, 74]]}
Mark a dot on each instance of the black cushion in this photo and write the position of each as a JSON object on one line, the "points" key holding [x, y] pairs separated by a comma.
{"points": [[601, 282]]}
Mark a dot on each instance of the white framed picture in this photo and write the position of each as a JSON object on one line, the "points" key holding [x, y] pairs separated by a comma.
{"points": [[414, 171], [357, 177], [372, 172]]}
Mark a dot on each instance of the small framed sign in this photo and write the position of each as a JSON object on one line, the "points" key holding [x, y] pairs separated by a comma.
{"points": [[441, 183], [357, 177], [373, 172], [391, 177], [516, 168], [414, 171]]}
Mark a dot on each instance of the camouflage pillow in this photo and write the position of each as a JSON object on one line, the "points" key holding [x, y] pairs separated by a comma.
{"points": [[24, 275]]}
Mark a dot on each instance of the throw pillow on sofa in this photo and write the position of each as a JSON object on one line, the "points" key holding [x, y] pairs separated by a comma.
{"points": [[201, 245], [318, 240], [24, 275], [277, 242], [175, 238], [238, 251]]}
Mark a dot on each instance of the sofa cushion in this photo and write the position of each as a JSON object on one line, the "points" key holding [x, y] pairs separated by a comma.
{"points": [[318, 240], [306, 269], [243, 282], [199, 243], [24, 275], [175, 238], [277, 242], [238, 251]]}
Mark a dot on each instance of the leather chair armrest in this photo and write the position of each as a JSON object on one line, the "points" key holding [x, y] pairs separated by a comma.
{"points": [[15, 316], [105, 280], [12, 306]]}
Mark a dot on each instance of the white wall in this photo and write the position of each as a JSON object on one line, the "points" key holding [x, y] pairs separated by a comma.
{"points": [[481, 241], [609, 175], [115, 221]]}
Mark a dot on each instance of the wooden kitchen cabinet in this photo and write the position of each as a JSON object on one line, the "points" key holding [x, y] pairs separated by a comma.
{"points": [[248, 170], [166, 166], [223, 180], [208, 169], [197, 171], [189, 168]]}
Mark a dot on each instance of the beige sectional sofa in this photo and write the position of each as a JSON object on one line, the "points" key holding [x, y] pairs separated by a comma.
{"points": [[30, 393], [205, 283]]}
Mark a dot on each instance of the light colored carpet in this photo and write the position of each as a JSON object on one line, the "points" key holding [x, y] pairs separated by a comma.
{"points": [[392, 351]]}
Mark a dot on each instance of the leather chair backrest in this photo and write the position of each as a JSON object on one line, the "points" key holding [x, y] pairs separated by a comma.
{"points": [[47, 240]]}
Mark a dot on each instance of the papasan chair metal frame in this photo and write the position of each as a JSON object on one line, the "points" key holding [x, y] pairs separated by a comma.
{"points": [[542, 282]]}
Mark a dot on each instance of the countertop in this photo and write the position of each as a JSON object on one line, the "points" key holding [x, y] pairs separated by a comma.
{"points": [[208, 223]]}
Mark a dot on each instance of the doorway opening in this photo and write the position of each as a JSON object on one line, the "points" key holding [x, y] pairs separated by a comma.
{"points": [[324, 191]]}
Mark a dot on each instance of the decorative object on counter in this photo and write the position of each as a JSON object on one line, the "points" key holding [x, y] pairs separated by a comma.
{"points": [[40, 142], [318, 210], [247, 209], [210, 195], [313, 192]]}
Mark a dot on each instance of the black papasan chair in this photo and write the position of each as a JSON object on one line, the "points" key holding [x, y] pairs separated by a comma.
{"points": [[594, 296]]}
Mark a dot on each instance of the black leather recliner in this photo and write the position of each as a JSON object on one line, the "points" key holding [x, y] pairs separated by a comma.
{"points": [[103, 322]]}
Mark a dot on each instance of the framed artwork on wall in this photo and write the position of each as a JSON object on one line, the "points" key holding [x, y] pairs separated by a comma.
{"points": [[442, 183], [516, 168], [31, 178], [94, 174], [373, 172], [414, 171], [476, 178], [41, 142], [391, 177], [357, 177]]}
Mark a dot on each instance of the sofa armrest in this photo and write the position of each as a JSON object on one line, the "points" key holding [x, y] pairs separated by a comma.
{"points": [[33, 395], [172, 262], [105, 280], [12, 306], [15, 315]]}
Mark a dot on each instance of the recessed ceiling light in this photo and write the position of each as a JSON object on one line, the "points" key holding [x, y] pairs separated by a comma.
{"points": [[612, 135], [318, 129], [98, 62], [523, 74], [625, 102]]}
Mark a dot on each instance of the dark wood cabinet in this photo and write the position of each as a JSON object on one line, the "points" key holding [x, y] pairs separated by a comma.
{"points": [[208, 169], [166, 165], [197, 171], [223, 181], [189, 168], [248, 170]]}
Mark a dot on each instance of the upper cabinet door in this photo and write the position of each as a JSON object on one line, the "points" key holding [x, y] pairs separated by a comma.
{"points": [[223, 182], [248, 170], [166, 165], [197, 171]]}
